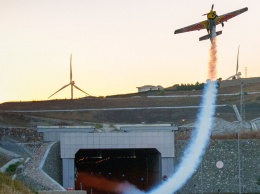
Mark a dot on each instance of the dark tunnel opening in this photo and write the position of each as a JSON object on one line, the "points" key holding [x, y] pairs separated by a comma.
{"points": [[103, 171]]}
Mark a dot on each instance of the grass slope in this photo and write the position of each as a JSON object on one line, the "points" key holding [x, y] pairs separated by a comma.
{"points": [[7, 185]]}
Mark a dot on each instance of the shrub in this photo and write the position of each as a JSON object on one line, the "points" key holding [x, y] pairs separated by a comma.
{"points": [[98, 126], [12, 168]]}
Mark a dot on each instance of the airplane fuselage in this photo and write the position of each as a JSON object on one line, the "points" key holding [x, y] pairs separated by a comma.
{"points": [[212, 28]]}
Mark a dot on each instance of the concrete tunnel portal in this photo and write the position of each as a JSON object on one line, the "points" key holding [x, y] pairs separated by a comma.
{"points": [[139, 167], [142, 155]]}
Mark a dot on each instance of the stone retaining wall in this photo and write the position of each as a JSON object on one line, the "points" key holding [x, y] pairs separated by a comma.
{"points": [[210, 179], [62, 192], [22, 134], [53, 163]]}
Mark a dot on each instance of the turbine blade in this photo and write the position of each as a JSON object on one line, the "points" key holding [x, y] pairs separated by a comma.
{"points": [[212, 7], [59, 90], [80, 90], [230, 77], [70, 67], [237, 58]]}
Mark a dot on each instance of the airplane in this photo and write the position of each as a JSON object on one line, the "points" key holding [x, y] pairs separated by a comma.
{"points": [[210, 24]]}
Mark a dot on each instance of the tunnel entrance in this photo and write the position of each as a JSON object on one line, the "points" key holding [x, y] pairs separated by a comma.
{"points": [[103, 171]]}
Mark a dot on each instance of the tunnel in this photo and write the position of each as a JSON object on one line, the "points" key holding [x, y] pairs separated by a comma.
{"points": [[106, 171]]}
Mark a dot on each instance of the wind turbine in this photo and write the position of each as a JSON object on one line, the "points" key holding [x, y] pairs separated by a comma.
{"points": [[238, 74], [72, 83]]}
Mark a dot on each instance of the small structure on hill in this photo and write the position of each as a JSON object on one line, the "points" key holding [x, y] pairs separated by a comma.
{"points": [[149, 88]]}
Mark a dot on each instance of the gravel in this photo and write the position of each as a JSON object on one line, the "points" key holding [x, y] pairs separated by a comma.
{"points": [[33, 176]]}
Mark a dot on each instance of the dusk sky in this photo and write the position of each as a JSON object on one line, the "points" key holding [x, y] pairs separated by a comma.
{"points": [[117, 45]]}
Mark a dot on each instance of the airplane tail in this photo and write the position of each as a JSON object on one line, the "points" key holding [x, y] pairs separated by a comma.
{"points": [[204, 37], [218, 33], [208, 36]]}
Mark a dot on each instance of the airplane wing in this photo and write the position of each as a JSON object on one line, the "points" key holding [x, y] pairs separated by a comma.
{"points": [[197, 26], [227, 16]]}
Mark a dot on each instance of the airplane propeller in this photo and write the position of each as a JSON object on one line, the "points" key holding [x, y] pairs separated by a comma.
{"points": [[212, 7]]}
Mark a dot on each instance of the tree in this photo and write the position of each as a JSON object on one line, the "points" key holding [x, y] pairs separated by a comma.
{"points": [[189, 87], [162, 92]]}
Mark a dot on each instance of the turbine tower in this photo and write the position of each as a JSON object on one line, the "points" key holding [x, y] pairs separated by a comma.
{"points": [[238, 74], [72, 83]]}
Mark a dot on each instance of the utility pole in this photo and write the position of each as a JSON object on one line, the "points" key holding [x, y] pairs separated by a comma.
{"points": [[242, 102], [239, 164], [242, 113], [201, 177]]}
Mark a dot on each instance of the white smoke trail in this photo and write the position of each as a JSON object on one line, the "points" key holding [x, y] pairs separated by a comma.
{"points": [[196, 149], [200, 137]]}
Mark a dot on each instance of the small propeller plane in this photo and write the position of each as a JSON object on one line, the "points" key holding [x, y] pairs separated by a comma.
{"points": [[210, 24]]}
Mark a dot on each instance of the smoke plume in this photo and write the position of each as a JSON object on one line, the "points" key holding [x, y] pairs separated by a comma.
{"points": [[200, 137], [212, 70]]}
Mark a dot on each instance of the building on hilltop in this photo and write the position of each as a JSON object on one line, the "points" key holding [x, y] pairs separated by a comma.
{"points": [[149, 88]]}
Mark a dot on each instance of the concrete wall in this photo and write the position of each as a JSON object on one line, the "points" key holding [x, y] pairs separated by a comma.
{"points": [[68, 170], [210, 179], [52, 133], [71, 142], [167, 166], [52, 165]]}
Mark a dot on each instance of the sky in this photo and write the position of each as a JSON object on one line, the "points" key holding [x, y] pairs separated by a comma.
{"points": [[117, 45]]}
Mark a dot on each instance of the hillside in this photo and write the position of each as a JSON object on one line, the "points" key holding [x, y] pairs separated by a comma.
{"points": [[149, 108], [181, 110]]}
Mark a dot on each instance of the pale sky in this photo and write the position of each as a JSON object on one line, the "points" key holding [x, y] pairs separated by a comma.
{"points": [[117, 45]]}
